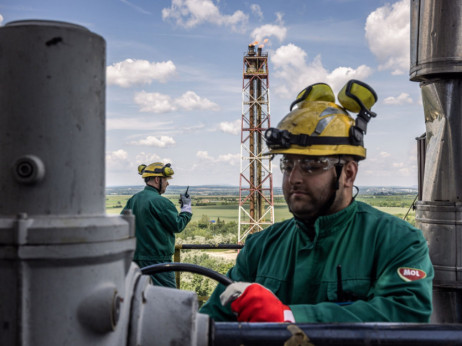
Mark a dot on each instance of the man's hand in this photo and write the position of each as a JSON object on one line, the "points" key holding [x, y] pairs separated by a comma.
{"points": [[185, 203], [255, 303]]}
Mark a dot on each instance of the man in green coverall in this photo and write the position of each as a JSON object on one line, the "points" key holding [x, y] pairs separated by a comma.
{"points": [[337, 259], [157, 220]]}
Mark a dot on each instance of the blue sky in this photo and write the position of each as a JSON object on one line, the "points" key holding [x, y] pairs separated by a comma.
{"points": [[174, 77]]}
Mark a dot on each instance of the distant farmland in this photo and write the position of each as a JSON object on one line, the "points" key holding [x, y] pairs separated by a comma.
{"points": [[226, 212], [225, 207]]}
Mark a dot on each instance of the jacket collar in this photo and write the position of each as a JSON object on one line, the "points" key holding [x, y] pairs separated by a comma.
{"points": [[151, 188]]}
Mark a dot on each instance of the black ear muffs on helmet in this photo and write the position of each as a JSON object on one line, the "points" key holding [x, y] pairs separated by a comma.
{"points": [[166, 171]]}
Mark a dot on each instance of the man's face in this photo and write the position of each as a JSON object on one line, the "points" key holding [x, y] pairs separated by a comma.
{"points": [[308, 183], [163, 185]]}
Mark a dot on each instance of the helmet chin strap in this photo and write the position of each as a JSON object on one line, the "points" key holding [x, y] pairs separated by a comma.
{"points": [[159, 189], [336, 185], [160, 185]]}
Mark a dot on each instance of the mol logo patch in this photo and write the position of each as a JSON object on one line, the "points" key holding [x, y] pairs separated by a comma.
{"points": [[411, 274]]}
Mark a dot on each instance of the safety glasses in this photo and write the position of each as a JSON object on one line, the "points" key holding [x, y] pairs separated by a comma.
{"points": [[309, 166]]}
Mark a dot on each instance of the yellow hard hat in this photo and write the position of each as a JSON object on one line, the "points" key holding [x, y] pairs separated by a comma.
{"points": [[319, 127], [156, 169]]}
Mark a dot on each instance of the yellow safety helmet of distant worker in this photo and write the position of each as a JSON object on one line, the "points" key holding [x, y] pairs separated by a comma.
{"points": [[156, 169], [316, 126]]}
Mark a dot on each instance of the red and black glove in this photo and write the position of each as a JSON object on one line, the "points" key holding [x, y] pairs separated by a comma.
{"points": [[255, 303]]}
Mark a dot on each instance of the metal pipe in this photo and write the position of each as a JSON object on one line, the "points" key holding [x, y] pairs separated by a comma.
{"points": [[319, 334]]}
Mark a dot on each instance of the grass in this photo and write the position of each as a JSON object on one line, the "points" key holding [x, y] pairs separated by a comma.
{"points": [[230, 212]]}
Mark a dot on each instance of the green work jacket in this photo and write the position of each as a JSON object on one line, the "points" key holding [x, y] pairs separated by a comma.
{"points": [[362, 265], [156, 222]]}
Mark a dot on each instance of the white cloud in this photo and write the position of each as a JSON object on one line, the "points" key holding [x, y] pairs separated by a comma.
{"points": [[406, 172], [192, 128], [137, 124], [152, 141], [148, 158], [232, 159], [203, 155], [290, 54], [190, 13], [190, 101], [256, 10], [391, 168], [338, 77], [117, 160], [401, 99], [154, 102], [118, 155], [160, 103], [388, 36], [289, 63], [233, 128], [277, 30], [139, 72], [1, 19], [269, 30]]}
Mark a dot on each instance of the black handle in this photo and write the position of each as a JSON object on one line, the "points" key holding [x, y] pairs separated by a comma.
{"points": [[186, 267]]}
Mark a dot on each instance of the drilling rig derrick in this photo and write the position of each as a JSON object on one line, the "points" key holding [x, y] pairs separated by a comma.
{"points": [[256, 206]]}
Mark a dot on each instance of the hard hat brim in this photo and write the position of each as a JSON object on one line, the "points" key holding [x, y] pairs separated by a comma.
{"points": [[321, 150]]}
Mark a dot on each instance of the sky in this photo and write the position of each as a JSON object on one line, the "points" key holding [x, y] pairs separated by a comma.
{"points": [[174, 77]]}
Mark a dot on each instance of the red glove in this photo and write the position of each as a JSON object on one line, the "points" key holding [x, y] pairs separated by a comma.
{"points": [[258, 304]]}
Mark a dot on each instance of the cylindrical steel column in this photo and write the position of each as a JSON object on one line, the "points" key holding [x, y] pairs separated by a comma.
{"points": [[436, 62], [52, 111], [64, 264]]}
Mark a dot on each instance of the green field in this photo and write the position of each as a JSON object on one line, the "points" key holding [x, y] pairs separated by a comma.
{"points": [[229, 212], [395, 205]]}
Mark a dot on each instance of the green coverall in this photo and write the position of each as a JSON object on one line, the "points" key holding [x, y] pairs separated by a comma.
{"points": [[371, 247], [156, 222]]}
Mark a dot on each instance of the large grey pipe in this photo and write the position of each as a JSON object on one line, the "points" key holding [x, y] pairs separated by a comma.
{"points": [[436, 62], [63, 262]]}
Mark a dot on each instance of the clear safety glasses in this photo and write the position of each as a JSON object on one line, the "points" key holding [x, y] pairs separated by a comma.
{"points": [[309, 166]]}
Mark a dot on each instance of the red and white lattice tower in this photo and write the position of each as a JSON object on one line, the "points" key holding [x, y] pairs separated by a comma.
{"points": [[256, 205]]}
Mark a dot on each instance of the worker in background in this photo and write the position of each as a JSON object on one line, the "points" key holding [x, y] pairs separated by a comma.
{"points": [[337, 259], [157, 220]]}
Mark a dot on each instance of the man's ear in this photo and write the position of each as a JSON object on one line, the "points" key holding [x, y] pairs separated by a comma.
{"points": [[350, 169], [154, 181]]}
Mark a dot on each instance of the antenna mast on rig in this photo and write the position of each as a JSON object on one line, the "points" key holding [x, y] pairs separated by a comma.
{"points": [[256, 206]]}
